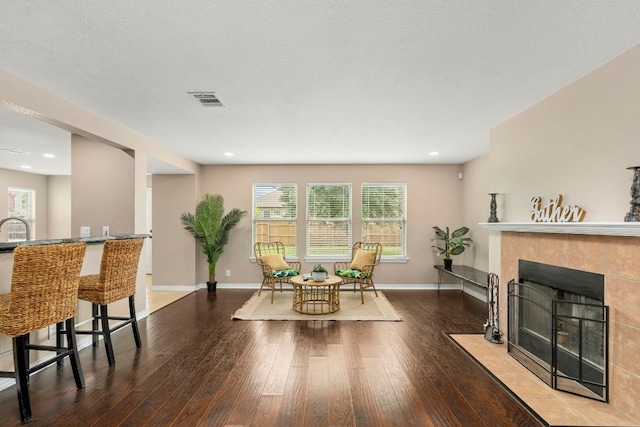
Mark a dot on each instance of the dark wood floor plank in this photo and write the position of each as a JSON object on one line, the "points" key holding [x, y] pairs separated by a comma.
{"points": [[244, 407], [201, 377], [277, 378], [199, 367], [340, 398], [365, 411], [268, 411], [316, 407], [215, 400], [407, 395], [387, 405], [293, 402]]}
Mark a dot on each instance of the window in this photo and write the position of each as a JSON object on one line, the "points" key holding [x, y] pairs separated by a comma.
{"points": [[22, 203], [328, 220], [275, 208], [384, 217]]}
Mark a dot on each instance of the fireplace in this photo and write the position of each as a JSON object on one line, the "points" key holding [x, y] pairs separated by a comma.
{"points": [[558, 327], [610, 249]]}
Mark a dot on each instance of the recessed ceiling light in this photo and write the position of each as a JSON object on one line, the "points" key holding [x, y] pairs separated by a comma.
{"points": [[434, 153], [228, 154], [49, 155], [25, 167]]}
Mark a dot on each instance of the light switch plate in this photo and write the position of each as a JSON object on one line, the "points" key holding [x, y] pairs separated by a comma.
{"points": [[105, 230]]}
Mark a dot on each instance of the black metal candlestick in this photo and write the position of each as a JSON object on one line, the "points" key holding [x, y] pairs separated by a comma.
{"points": [[634, 211], [492, 208]]}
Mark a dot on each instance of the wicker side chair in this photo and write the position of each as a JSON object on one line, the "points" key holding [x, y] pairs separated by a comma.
{"points": [[270, 257], [359, 271], [44, 292], [116, 281]]}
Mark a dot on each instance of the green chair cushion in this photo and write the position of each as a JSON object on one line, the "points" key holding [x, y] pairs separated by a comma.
{"points": [[348, 272], [285, 273]]}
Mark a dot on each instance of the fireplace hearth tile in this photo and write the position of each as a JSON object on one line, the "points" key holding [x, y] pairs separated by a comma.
{"points": [[555, 407]]}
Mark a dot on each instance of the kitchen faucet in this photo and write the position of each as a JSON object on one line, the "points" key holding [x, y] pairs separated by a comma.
{"points": [[22, 220]]}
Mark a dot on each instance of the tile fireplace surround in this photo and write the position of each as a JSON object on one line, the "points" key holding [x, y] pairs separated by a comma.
{"points": [[617, 257]]}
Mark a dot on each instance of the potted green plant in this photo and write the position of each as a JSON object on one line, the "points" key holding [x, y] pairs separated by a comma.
{"points": [[211, 228], [450, 243], [319, 273]]}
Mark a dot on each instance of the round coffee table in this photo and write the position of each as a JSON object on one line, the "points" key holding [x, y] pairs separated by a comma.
{"points": [[311, 297]]}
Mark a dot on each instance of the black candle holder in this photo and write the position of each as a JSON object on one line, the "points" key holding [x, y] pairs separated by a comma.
{"points": [[634, 211], [492, 208]]}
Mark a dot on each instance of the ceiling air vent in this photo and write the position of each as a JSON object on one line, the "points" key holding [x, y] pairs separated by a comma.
{"points": [[207, 99]]}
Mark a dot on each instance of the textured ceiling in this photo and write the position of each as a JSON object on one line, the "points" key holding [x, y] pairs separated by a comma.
{"points": [[310, 81]]}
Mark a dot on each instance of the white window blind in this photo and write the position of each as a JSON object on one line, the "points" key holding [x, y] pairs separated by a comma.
{"points": [[22, 202], [328, 220], [275, 211], [384, 217]]}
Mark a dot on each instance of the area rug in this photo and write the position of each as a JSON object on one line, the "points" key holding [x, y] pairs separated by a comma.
{"points": [[351, 308]]}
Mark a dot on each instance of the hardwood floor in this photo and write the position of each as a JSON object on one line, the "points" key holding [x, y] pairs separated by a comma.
{"points": [[199, 367]]}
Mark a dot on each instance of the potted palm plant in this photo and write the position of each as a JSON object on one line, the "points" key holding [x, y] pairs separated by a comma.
{"points": [[450, 243], [211, 228]]}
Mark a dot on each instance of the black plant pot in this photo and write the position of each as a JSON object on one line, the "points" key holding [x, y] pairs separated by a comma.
{"points": [[211, 286], [447, 264]]}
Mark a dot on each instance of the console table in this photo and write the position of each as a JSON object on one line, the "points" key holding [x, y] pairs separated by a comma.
{"points": [[464, 274]]}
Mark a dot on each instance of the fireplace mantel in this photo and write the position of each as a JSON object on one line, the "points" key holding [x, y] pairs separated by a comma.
{"points": [[598, 228]]}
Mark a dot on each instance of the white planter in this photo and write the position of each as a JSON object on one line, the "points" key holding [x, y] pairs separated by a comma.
{"points": [[318, 276]]}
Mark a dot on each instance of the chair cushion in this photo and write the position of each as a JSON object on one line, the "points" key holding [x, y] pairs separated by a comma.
{"points": [[275, 261], [348, 272], [352, 273], [285, 273], [362, 258]]}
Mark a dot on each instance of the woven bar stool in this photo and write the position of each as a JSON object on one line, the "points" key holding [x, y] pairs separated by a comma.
{"points": [[44, 291], [116, 281]]}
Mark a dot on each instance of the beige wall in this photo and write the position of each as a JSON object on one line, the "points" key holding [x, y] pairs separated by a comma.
{"points": [[174, 250], [27, 180], [476, 199], [102, 188], [434, 198], [59, 208], [577, 142]]}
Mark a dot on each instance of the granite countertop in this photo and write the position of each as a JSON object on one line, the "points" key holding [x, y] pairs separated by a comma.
{"points": [[10, 246]]}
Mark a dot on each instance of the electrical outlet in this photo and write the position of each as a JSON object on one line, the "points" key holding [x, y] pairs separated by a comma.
{"points": [[85, 231], [52, 331], [228, 273]]}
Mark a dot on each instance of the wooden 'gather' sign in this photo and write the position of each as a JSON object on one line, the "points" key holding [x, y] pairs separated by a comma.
{"points": [[554, 211]]}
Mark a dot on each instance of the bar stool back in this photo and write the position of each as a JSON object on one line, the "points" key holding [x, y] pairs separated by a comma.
{"points": [[44, 292], [116, 281]]}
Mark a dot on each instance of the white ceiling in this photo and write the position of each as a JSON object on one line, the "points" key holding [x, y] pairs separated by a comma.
{"points": [[357, 81]]}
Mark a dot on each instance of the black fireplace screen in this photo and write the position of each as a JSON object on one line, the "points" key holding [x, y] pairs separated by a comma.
{"points": [[560, 336]]}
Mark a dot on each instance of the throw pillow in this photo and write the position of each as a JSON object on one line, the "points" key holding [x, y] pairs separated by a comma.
{"points": [[362, 258], [275, 261]]}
